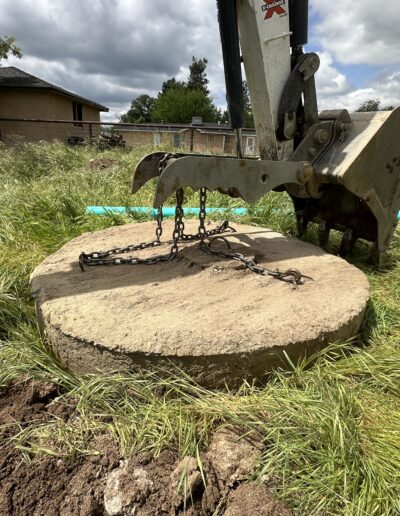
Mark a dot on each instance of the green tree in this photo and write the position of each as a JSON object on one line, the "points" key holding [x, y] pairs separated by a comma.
{"points": [[8, 47], [369, 105], [180, 104], [178, 101], [248, 113], [373, 105], [223, 116], [197, 75], [248, 121], [171, 83], [140, 111]]}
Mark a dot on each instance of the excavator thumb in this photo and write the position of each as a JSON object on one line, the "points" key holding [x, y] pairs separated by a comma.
{"points": [[351, 182], [248, 179]]}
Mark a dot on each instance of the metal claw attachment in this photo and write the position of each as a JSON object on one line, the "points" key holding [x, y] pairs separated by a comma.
{"points": [[245, 178], [147, 169]]}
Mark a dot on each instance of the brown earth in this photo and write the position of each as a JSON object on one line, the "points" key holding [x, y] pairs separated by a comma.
{"points": [[108, 483]]}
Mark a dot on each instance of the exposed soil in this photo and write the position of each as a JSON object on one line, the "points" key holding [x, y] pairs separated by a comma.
{"points": [[247, 499], [109, 484]]}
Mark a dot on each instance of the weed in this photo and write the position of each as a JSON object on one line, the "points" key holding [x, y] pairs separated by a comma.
{"points": [[330, 428]]}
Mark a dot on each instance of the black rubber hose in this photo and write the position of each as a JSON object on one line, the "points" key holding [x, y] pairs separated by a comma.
{"points": [[298, 22], [228, 28]]}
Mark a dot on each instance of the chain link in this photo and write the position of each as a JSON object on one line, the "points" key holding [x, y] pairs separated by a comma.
{"points": [[292, 276], [203, 232], [202, 214], [104, 257], [159, 229]]}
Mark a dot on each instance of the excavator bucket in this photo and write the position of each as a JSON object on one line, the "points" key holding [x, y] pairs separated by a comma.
{"points": [[358, 184]]}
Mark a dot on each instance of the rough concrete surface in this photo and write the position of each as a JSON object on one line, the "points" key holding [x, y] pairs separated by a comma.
{"points": [[207, 315]]}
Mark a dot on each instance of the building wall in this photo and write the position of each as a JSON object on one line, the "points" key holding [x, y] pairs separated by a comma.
{"points": [[44, 104], [206, 143], [189, 140], [141, 138]]}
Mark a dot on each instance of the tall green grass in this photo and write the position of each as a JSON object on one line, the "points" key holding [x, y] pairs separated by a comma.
{"points": [[330, 429]]}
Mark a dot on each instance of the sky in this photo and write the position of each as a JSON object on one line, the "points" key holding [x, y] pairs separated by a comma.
{"points": [[112, 51]]}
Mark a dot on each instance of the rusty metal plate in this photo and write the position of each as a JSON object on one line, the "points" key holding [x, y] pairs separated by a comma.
{"points": [[146, 169]]}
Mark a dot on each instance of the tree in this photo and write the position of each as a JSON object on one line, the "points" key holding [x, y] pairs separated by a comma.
{"points": [[197, 75], [369, 105], [171, 83], [248, 113], [140, 111], [248, 121], [8, 47], [178, 101], [180, 104], [373, 105], [223, 116]]}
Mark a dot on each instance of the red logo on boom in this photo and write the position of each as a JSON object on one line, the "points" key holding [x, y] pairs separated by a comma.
{"points": [[272, 7]]}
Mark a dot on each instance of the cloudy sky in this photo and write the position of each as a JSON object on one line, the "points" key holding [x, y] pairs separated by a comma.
{"points": [[114, 50]]}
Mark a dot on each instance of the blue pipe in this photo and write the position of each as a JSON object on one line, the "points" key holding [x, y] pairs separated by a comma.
{"points": [[167, 212]]}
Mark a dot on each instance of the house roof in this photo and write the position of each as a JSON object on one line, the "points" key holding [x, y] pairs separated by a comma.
{"points": [[12, 77]]}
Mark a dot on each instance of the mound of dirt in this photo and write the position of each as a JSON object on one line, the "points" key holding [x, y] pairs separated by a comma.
{"points": [[109, 484], [103, 163], [251, 500]]}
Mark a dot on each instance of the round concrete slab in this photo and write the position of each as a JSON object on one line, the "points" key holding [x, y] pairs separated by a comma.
{"points": [[209, 316]]}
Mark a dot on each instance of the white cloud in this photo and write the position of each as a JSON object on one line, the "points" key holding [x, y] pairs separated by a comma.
{"points": [[335, 91], [113, 51], [359, 32], [329, 80], [385, 88]]}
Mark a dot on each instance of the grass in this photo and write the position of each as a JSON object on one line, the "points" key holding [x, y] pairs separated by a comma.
{"points": [[331, 430]]}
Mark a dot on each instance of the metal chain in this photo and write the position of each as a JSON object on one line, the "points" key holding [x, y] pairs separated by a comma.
{"points": [[178, 222], [103, 257], [224, 227], [203, 233], [202, 214], [159, 229], [292, 276]]}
